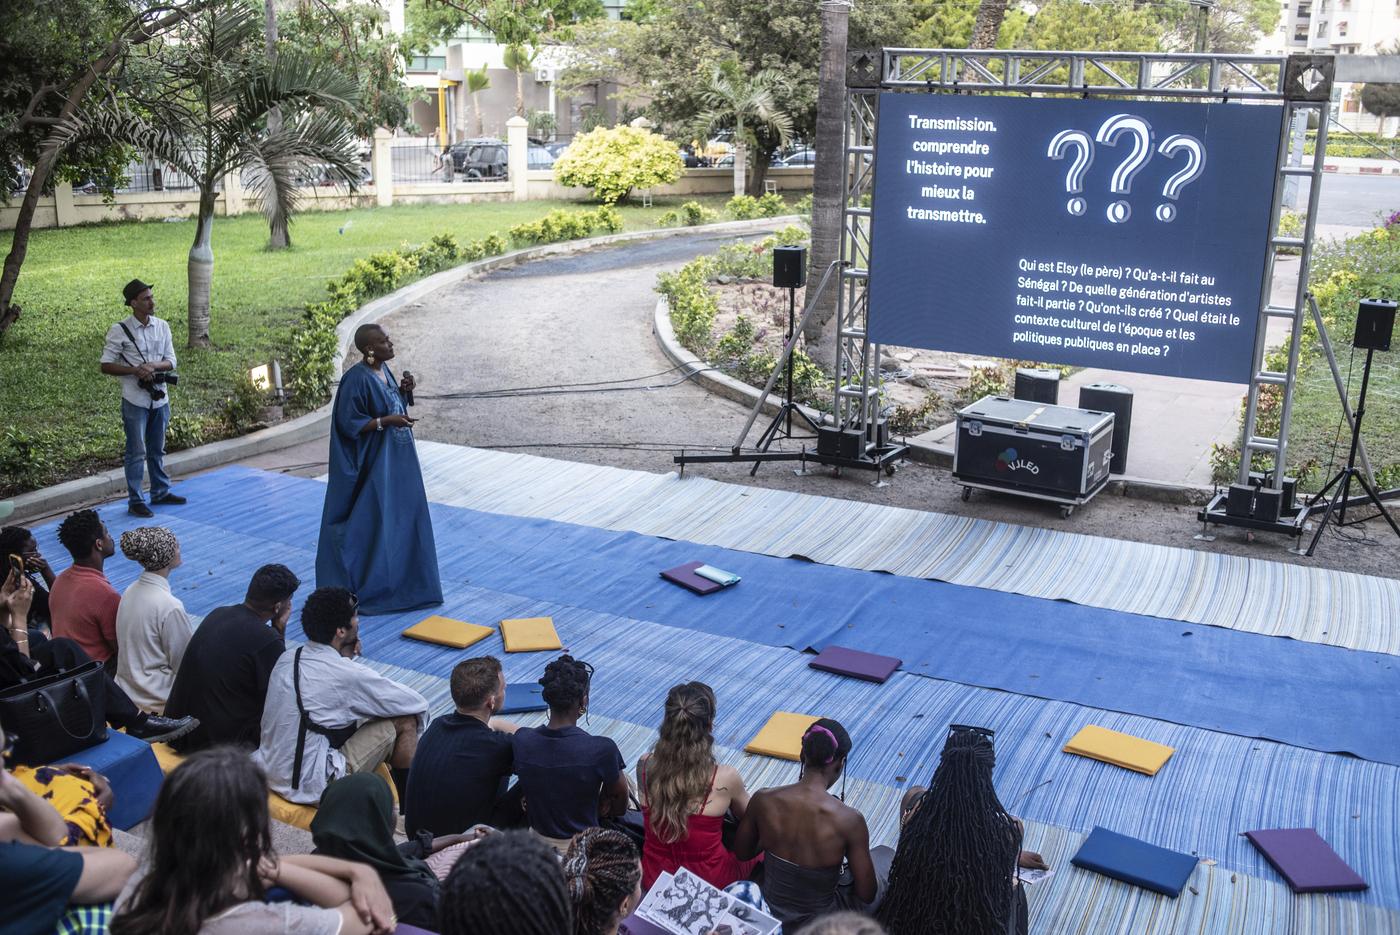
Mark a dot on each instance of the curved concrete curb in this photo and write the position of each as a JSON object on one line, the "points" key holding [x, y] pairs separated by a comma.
{"points": [[316, 424], [937, 455]]}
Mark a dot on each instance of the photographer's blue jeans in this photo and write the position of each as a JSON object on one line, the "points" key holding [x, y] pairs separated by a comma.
{"points": [[145, 447]]}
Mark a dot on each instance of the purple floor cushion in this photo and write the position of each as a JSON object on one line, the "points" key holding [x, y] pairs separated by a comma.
{"points": [[1305, 860], [853, 662]]}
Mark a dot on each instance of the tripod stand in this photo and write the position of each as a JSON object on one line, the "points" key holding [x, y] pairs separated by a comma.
{"points": [[1342, 481], [781, 426]]}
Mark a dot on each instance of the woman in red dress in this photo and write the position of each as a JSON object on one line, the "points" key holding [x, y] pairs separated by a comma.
{"points": [[686, 794]]}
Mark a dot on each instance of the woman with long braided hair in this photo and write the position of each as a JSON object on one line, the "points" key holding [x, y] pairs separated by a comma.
{"points": [[686, 794], [954, 871], [603, 873], [509, 884], [570, 779]]}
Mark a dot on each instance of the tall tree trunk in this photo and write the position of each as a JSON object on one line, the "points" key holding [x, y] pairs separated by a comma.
{"points": [[741, 166], [520, 93], [756, 178], [279, 237], [476, 109], [828, 173], [990, 13], [54, 142], [201, 270]]}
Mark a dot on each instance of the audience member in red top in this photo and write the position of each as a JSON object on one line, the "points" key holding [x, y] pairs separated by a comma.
{"points": [[82, 602]]}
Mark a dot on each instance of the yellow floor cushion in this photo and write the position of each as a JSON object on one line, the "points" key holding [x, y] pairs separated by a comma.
{"points": [[1125, 750], [529, 635], [782, 735], [448, 632], [289, 813]]}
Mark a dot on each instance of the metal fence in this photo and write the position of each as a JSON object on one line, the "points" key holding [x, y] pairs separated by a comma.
{"points": [[148, 175]]}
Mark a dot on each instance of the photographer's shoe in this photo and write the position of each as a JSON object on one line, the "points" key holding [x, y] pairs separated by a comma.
{"points": [[172, 499], [157, 729], [140, 509]]}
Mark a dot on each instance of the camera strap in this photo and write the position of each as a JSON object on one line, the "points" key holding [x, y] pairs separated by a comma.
{"points": [[132, 338]]}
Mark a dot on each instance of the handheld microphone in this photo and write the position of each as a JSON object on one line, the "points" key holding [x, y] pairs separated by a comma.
{"points": [[408, 397]]}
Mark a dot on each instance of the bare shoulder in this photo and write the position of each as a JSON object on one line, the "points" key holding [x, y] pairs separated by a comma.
{"points": [[727, 777]]}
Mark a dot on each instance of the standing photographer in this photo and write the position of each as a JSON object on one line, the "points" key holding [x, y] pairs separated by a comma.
{"points": [[141, 352]]}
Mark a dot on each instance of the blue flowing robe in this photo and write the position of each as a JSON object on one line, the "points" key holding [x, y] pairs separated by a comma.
{"points": [[376, 533]]}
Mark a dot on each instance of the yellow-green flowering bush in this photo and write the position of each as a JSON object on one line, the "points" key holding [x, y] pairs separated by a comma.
{"points": [[614, 160]]}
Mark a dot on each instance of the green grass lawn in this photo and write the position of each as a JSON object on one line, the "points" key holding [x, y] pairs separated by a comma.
{"points": [[60, 417]]}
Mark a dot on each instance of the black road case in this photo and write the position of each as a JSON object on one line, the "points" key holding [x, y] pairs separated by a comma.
{"points": [[1032, 449]]}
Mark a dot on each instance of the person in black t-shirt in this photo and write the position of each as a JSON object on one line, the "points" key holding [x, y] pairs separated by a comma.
{"points": [[223, 676], [464, 758], [17, 540], [570, 778]]}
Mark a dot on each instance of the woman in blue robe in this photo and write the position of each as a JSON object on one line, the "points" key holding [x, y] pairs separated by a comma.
{"points": [[376, 534]]}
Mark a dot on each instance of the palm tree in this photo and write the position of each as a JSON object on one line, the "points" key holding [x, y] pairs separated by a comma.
{"points": [[474, 81], [210, 121], [519, 60], [747, 103]]}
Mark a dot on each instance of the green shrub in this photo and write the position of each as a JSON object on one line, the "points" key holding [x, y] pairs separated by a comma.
{"points": [[693, 308], [736, 344], [28, 459], [185, 431], [771, 205], [743, 207], [244, 406], [688, 215], [912, 420], [614, 160], [567, 225], [494, 245], [804, 207]]}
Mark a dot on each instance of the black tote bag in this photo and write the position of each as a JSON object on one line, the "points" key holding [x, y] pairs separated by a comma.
{"points": [[56, 715]]}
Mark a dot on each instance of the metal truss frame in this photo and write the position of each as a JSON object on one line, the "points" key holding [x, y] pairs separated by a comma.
{"points": [[1300, 83]]}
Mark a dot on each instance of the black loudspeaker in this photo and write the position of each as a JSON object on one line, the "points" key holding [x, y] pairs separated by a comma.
{"points": [[1268, 504], [1289, 488], [1110, 397], [840, 443], [1375, 320], [1240, 500], [789, 267], [1038, 386]]}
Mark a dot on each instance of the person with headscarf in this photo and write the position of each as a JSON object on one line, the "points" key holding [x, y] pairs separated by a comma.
{"points": [[376, 534], [355, 821], [153, 628], [954, 871]]}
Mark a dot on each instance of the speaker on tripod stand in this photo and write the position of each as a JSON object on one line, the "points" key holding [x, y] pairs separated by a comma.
{"points": [[1375, 323]]}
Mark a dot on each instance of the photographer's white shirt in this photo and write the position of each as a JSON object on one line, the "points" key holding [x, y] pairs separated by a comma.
{"points": [[154, 343]]}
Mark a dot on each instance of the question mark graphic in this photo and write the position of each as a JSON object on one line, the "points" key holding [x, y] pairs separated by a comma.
{"points": [[1083, 159], [1122, 181], [1195, 166]]}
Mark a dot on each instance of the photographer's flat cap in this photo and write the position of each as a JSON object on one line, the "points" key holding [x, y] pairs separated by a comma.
{"points": [[134, 288]]}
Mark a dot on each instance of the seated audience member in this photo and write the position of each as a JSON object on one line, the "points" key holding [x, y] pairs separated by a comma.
{"points": [[685, 794], [152, 626], [223, 675], [509, 884], [327, 715], [83, 603], [79, 794], [356, 821], [42, 878], [603, 874], [843, 923], [806, 833], [464, 759], [211, 863], [19, 665], [16, 540], [955, 867], [569, 777]]}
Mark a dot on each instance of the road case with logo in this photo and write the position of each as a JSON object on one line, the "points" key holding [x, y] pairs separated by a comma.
{"points": [[1032, 449]]}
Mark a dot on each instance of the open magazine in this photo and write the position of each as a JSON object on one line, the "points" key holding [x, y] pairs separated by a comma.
{"points": [[684, 904]]}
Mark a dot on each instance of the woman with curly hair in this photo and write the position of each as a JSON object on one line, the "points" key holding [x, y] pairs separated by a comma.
{"points": [[604, 876], [686, 794], [569, 778]]}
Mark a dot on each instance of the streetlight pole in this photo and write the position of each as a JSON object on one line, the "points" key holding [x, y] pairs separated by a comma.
{"points": [[1203, 8]]}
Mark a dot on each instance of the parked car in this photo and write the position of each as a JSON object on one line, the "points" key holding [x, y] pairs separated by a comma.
{"points": [[482, 158], [800, 158], [539, 157], [556, 149]]}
